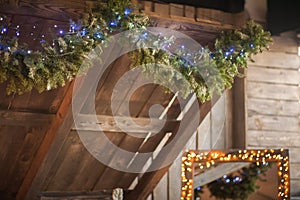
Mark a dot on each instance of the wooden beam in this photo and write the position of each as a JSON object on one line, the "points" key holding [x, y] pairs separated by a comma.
{"points": [[217, 172], [108, 123], [239, 113], [67, 195], [150, 179], [15, 118]]}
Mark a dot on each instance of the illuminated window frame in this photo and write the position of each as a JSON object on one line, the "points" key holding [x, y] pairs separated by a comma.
{"points": [[204, 160]]}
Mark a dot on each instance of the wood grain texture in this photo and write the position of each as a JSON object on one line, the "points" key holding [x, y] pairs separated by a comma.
{"points": [[273, 75], [13, 118], [109, 124], [273, 139], [277, 60], [273, 91], [273, 107], [269, 123]]}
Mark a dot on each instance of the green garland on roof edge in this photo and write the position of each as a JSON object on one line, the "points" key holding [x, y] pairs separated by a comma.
{"points": [[54, 65]]}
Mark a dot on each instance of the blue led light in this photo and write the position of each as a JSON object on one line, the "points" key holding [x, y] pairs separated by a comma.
{"points": [[98, 35], [113, 23], [83, 32], [61, 32], [3, 30], [127, 11]]}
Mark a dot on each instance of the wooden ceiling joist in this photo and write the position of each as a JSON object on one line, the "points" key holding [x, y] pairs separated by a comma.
{"points": [[108, 124]]}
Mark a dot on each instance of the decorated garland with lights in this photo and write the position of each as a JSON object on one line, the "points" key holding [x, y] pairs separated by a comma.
{"points": [[237, 186], [60, 61]]}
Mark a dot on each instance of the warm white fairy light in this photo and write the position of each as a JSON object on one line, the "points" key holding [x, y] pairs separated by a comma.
{"points": [[207, 159]]}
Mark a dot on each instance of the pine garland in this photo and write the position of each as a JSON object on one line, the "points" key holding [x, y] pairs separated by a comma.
{"points": [[54, 65], [204, 72]]}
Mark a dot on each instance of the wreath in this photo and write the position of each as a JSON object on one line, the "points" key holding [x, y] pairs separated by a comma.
{"points": [[237, 186], [59, 61]]}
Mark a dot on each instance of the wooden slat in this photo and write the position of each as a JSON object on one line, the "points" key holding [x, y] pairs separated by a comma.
{"points": [[24, 157], [273, 139], [190, 12], [160, 192], [14, 118], [277, 59], [176, 9], [104, 195], [108, 123], [273, 107], [162, 9], [218, 123], [51, 134], [269, 123], [71, 156], [295, 170], [149, 180], [273, 75], [11, 138], [90, 169], [272, 91], [57, 134], [59, 12], [286, 43], [295, 185]]}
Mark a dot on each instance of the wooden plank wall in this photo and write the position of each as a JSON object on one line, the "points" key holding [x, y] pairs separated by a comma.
{"points": [[273, 101], [185, 12], [213, 133]]}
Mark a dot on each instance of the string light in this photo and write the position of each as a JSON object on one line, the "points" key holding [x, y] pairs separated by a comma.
{"points": [[200, 159]]}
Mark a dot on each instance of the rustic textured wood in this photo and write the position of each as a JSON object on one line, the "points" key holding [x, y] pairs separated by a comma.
{"points": [[273, 107], [103, 195], [150, 180], [59, 11], [148, 6], [58, 133], [108, 123], [218, 123], [162, 9], [239, 116], [286, 42], [278, 123], [25, 155], [277, 60], [46, 144], [273, 75], [162, 187], [11, 138], [295, 170], [176, 9], [273, 139], [272, 91], [14, 118], [204, 133], [190, 12]]}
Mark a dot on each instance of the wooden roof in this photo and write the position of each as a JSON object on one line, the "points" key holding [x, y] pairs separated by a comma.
{"points": [[40, 150]]}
